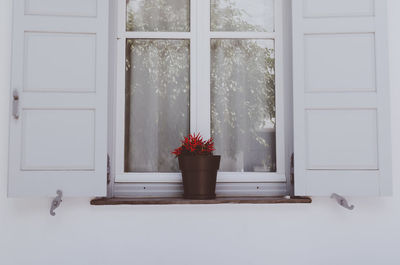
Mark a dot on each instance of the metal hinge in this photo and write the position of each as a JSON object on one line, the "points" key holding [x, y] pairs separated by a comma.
{"points": [[108, 169], [290, 185], [15, 107], [292, 169]]}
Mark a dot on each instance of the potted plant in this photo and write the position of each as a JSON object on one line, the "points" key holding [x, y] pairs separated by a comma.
{"points": [[198, 166]]}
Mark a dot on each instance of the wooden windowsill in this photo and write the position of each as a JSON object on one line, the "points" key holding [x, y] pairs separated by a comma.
{"points": [[218, 200]]}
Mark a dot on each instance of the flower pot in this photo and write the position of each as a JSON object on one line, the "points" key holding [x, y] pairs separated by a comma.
{"points": [[199, 175]]}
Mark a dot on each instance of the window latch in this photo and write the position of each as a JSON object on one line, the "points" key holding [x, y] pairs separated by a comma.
{"points": [[15, 107], [56, 202], [342, 201]]}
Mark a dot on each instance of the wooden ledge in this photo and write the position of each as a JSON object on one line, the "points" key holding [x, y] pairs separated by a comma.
{"points": [[219, 200]]}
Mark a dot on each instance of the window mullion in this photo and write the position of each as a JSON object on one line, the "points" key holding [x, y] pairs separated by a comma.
{"points": [[203, 68], [193, 65]]}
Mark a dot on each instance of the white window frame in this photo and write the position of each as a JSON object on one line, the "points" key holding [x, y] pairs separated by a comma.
{"points": [[199, 114]]}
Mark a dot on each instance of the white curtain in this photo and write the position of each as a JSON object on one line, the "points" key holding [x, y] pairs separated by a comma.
{"points": [[243, 104], [157, 103]]}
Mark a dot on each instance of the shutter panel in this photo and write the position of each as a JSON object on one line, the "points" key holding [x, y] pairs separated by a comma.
{"points": [[341, 98], [59, 71]]}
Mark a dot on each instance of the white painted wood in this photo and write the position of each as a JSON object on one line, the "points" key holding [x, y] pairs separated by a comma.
{"points": [[280, 94], [86, 8], [176, 189], [342, 139], [248, 35], [50, 136], [200, 37], [338, 8], [287, 87], [113, 67], [59, 62], [155, 35], [340, 62], [341, 98], [203, 61], [194, 78], [346, 182], [157, 177], [60, 70]]}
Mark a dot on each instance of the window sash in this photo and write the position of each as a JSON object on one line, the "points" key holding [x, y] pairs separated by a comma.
{"points": [[200, 36]]}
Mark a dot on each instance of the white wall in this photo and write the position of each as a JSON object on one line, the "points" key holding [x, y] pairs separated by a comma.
{"points": [[321, 233]]}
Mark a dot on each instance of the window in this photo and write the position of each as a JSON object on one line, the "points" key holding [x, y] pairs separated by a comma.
{"points": [[213, 67], [260, 76]]}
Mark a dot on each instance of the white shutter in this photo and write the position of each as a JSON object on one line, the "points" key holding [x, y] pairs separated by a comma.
{"points": [[341, 98], [59, 70]]}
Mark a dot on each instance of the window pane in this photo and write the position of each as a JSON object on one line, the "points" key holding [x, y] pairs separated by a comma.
{"points": [[158, 15], [242, 15], [157, 103], [243, 104]]}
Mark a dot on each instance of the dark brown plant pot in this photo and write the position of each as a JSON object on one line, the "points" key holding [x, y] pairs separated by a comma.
{"points": [[199, 175]]}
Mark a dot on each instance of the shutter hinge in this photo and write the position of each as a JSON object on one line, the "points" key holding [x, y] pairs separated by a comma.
{"points": [[292, 169], [108, 169]]}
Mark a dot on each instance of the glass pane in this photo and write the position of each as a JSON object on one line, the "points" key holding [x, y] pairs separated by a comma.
{"points": [[157, 103], [243, 104], [158, 15], [242, 15]]}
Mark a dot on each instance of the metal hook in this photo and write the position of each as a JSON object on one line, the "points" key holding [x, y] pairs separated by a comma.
{"points": [[342, 201], [56, 202]]}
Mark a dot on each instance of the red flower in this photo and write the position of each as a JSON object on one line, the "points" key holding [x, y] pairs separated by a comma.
{"points": [[194, 144]]}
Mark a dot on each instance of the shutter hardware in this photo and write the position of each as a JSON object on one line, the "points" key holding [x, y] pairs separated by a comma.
{"points": [[340, 199], [108, 169], [292, 169], [56, 202], [15, 107]]}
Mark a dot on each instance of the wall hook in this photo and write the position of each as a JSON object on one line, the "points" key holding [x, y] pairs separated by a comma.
{"points": [[56, 202], [342, 201]]}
